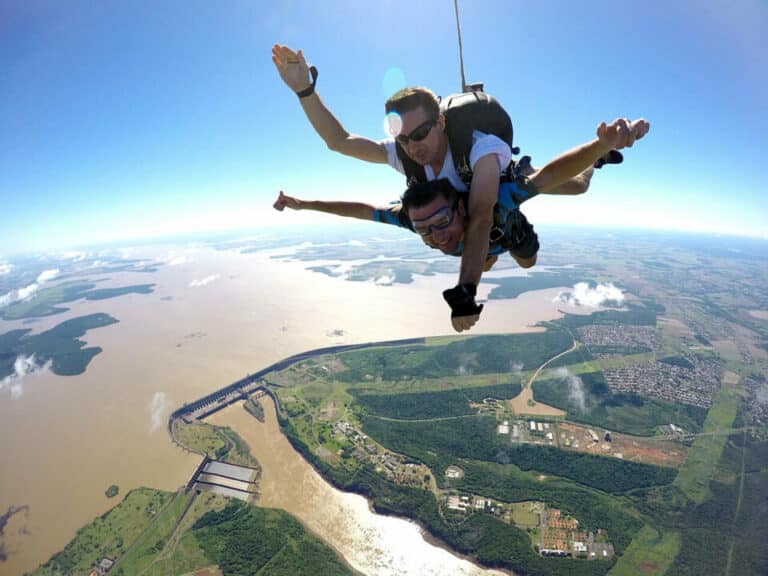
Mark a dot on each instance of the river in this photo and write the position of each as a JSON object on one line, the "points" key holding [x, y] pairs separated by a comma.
{"points": [[375, 545], [66, 439]]}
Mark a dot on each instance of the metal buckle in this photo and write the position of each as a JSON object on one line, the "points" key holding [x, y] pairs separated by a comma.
{"points": [[496, 234]]}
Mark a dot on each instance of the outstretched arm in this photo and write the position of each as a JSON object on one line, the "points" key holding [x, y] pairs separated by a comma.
{"points": [[620, 133], [482, 198], [294, 71], [346, 209]]}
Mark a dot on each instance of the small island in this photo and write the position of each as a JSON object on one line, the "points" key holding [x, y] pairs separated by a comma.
{"points": [[112, 491]]}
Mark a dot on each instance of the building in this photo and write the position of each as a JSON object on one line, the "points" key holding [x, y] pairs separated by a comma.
{"points": [[454, 472], [454, 503]]}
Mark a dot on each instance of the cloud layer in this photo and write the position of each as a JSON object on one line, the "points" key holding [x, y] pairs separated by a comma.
{"points": [[23, 366], [28, 291], [583, 295]]}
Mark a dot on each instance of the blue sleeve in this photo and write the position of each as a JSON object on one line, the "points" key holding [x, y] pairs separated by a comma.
{"points": [[392, 215]]}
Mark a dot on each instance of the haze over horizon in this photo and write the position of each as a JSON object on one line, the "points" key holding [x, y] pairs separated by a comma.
{"points": [[136, 120]]}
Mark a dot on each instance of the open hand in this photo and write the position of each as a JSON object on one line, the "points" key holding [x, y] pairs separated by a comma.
{"points": [[621, 133], [292, 67]]}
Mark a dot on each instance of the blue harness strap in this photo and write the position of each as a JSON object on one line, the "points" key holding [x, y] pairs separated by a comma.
{"points": [[512, 194]]}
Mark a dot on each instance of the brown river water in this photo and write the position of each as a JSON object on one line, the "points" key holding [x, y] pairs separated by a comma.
{"points": [[66, 439], [371, 543]]}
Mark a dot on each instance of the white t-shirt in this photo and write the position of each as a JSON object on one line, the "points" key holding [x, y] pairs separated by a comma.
{"points": [[482, 145]]}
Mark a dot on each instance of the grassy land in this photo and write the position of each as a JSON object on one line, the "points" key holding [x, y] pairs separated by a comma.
{"points": [[153, 540], [696, 471], [153, 533], [199, 437], [109, 535], [244, 539], [622, 412], [650, 553], [220, 443], [442, 340], [523, 514], [605, 363]]}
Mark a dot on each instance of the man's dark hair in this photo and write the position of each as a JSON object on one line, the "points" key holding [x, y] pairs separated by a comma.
{"points": [[409, 99], [422, 193]]}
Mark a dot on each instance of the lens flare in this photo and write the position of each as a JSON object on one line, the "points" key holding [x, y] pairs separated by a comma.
{"points": [[393, 124], [393, 80]]}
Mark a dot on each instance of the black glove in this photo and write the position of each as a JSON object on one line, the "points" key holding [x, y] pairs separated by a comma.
{"points": [[461, 299]]}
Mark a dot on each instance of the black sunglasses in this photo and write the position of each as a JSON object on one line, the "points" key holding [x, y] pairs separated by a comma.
{"points": [[417, 134]]}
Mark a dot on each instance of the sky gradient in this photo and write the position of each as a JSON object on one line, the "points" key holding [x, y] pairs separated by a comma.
{"points": [[130, 119]]}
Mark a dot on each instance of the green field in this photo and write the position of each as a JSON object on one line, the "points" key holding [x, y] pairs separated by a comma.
{"points": [[153, 533], [596, 365], [153, 540], [696, 472], [109, 535], [220, 443], [523, 514], [650, 554], [621, 412]]}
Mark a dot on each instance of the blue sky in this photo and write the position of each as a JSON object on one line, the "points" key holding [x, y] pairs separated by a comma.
{"points": [[127, 119]]}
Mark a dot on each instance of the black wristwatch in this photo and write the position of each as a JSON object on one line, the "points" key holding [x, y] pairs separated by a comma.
{"points": [[309, 90]]}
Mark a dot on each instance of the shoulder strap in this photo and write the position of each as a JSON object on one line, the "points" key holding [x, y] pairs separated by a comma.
{"points": [[467, 112], [414, 172]]}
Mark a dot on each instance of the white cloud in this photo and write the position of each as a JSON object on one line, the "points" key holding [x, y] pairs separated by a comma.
{"points": [[28, 291], [6, 298], [23, 366], [46, 275], [576, 395], [384, 280], [5, 268], [203, 281], [158, 406], [173, 259], [583, 295]]}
